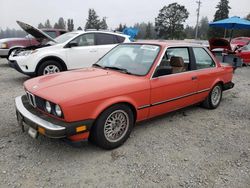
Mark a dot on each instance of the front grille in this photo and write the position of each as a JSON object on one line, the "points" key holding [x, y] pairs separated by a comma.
{"points": [[31, 98]]}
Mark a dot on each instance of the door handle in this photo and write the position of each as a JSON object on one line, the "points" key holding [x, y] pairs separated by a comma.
{"points": [[92, 50], [194, 77]]}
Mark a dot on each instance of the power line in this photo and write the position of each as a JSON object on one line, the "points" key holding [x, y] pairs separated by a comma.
{"points": [[197, 21]]}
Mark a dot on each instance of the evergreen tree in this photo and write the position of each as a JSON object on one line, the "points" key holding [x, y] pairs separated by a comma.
{"points": [[40, 26], [47, 24], [93, 21], [189, 32], [121, 27], [79, 28], [148, 34], [220, 14], [70, 25], [103, 24], [169, 23], [203, 28], [60, 24]]}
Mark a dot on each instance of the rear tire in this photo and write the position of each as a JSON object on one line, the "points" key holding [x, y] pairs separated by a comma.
{"points": [[49, 67], [113, 127], [214, 98]]}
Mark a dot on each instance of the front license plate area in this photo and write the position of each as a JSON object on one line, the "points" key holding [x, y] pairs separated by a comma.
{"points": [[32, 132]]}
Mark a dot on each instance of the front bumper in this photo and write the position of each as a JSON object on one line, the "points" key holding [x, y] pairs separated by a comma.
{"points": [[4, 52], [14, 64], [51, 127]]}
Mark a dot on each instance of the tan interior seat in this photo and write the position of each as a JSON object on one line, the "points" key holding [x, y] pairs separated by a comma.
{"points": [[177, 64]]}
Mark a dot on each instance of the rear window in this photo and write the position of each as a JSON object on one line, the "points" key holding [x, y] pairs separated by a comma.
{"points": [[104, 39]]}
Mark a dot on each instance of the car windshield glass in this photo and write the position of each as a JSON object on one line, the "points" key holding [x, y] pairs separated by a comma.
{"points": [[134, 59], [246, 48], [63, 38], [29, 36]]}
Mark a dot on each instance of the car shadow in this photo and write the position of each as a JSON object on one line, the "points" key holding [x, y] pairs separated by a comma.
{"points": [[4, 65], [59, 145]]}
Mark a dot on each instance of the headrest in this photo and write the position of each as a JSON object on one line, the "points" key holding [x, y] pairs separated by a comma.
{"points": [[176, 61]]}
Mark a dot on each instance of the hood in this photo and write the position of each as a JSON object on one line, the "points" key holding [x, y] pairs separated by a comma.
{"points": [[219, 43], [83, 85], [37, 33]]}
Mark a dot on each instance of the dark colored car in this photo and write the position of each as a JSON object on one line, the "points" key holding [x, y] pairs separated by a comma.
{"points": [[35, 37]]}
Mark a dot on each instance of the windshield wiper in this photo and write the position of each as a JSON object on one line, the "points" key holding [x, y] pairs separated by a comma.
{"points": [[118, 68], [96, 65]]}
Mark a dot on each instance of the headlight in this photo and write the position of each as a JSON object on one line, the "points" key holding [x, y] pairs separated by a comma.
{"points": [[4, 45], [48, 106], [26, 52], [58, 110]]}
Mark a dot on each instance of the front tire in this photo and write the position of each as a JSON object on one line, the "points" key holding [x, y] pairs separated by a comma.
{"points": [[214, 98], [113, 127], [49, 67]]}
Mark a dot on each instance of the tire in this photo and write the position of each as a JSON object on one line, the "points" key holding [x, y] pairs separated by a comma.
{"points": [[214, 98], [49, 67], [101, 133]]}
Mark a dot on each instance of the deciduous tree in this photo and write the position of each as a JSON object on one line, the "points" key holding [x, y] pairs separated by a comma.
{"points": [[169, 22]]}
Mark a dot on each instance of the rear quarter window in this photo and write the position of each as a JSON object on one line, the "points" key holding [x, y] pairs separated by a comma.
{"points": [[105, 39], [203, 59], [120, 39]]}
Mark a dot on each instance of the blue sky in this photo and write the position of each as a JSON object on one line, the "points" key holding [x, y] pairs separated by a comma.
{"points": [[118, 11]]}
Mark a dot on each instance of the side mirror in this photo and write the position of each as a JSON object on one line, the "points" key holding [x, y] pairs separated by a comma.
{"points": [[72, 44], [162, 71]]}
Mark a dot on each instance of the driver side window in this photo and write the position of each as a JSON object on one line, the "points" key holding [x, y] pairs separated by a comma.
{"points": [[85, 40]]}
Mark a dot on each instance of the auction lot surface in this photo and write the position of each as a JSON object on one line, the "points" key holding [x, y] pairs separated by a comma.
{"points": [[193, 147]]}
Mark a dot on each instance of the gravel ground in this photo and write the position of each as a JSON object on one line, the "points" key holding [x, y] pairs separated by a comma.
{"points": [[193, 147]]}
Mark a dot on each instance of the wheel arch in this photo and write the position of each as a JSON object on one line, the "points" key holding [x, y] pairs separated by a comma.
{"points": [[55, 58], [218, 81], [104, 106]]}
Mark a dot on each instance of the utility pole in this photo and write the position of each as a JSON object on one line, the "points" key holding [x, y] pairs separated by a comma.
{"points": [[198, 15]]}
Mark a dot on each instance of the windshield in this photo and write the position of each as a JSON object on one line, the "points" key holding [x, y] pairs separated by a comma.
{"points": [[246, 48], [29, 36], [63, 38], [135, 59]]}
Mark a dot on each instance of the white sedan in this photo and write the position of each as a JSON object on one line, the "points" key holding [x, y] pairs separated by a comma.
{"points": [[77, 49]]}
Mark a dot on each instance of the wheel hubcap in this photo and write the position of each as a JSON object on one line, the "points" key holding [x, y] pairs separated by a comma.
{"points": [[116, 126], [216, 95], [50, 69]]}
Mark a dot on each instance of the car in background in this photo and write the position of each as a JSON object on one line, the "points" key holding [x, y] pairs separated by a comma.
{"points": [[225, 52], [244, 54], [72, 50], [239, 42], [35, 37], [131, 83]]}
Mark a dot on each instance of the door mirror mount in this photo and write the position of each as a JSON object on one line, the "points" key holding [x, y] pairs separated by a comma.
{"points": [[162, 71], [72, 44]]}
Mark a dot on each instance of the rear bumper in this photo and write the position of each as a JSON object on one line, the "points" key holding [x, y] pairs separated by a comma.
{"points": [[50, 127], [14, 64], [4, 52], [228, 86]]}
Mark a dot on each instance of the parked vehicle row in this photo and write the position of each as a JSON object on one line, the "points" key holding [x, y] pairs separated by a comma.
{"points": [[131, 83], [72, 50], [35, 37], [121, 83], [239, 48]]}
